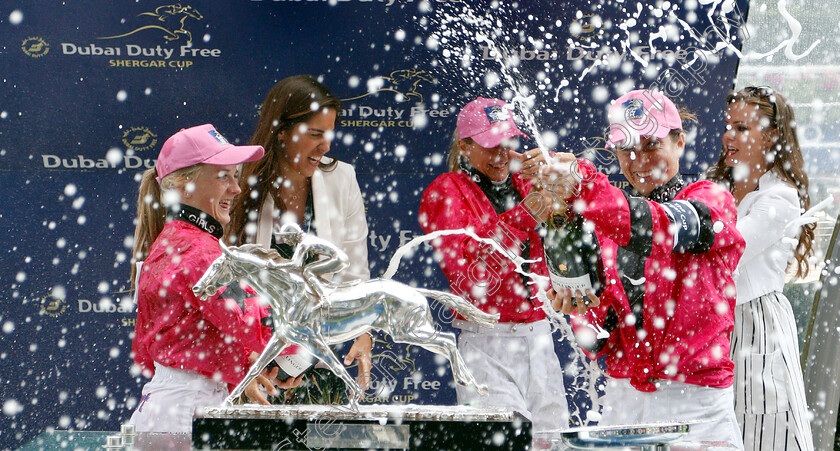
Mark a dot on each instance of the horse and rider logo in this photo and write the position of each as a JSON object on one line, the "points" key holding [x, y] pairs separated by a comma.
{"points": [[168, 19], [404, 83]]}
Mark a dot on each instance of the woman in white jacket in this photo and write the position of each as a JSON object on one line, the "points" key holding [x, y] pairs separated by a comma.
{"points": [[762, 165], [296, 182]]}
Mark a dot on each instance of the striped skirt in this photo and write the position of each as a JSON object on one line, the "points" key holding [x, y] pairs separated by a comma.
{"points": [[769, 391]]}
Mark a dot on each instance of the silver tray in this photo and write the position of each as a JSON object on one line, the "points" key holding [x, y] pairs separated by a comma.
{"points": [[372, 412], [625, 435]]}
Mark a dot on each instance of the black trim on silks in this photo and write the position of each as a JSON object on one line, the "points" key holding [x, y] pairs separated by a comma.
{"points": [[199, 219], [503, 197], [641, 225], [707, 231], [268, 321], [631, 270], [235, 292], [666, 192], [610, 324]]}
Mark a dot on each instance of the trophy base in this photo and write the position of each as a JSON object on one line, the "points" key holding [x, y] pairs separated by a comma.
{"points": [[411, 427]]}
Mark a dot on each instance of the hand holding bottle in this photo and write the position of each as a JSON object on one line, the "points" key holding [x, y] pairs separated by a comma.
{"points": [[532, 162], [573, 257], [567, 302], [265, 383], [560, 177]]}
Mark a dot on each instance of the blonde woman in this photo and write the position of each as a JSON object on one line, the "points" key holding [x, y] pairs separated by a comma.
{"points": [[515, 359], [193, 350]]}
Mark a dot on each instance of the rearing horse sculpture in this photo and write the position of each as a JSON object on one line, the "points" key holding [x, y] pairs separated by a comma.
{"points": [[349, 311]]}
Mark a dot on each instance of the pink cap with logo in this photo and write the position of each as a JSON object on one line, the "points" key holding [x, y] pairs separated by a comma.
{"points": [[641, 113], [488, 122], [201, 144]]}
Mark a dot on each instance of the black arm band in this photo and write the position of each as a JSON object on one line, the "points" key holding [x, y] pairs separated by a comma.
{"points": [[691, 225], [641, 226]]}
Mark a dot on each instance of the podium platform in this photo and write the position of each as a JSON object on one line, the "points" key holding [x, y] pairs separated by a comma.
{"points": [[408, 427]]}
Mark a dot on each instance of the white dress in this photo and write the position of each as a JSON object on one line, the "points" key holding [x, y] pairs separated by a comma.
{"points": [[769, 390]]}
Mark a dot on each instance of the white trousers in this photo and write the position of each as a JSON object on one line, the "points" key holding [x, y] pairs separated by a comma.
{"points": [[169, 401], [518, 364], [769, 390], [674, 401]]}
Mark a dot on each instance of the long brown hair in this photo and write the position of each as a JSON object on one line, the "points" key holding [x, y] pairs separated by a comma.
{"points": [[785, 154], [151, 211], [291, 101]]}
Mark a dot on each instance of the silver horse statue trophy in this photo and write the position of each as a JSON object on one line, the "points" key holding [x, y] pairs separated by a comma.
{"points": [[344, 312]]}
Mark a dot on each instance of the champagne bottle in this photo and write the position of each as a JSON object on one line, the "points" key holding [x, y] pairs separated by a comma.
{"points": [[293, 365], [572, 255]]}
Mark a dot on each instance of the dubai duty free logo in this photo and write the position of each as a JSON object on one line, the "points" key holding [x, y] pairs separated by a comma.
{"points": [[170, 20], [35, 47], [53, 306], [139, 138], [405, 109], [586, 27], [167, 23]]}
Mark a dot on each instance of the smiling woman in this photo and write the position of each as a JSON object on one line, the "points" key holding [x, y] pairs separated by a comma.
{"points": [[652, 162], [670, 248], [481, 193], [649, 161], [761, 163], [212, 191], [191, 349], [296, 183]]}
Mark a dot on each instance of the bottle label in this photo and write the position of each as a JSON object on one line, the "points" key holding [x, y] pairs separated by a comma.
{"points": [[580, 283], [573, 256], [295, 364]]}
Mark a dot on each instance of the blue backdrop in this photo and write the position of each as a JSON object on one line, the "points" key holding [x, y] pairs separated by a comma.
{"points": [[90, 90]]}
